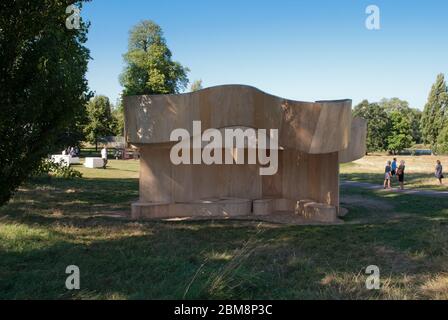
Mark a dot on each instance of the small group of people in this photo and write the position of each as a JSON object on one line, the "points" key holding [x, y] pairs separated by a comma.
{"points": [[71, 151], [393, 170]]}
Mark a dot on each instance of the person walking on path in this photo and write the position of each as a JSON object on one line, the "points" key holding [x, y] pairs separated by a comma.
{"points": [[394, 167], [387, 175], [439, 171], [104, 156], [400, 174]]}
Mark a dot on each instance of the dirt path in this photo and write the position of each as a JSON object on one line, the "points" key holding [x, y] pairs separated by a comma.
{"points": [[371, 186]]}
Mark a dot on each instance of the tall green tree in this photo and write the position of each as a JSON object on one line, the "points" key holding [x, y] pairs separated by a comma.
{"points": [[400, 134], [393, 104], [378, 125], [196, 85], [100, 120], [42, 84], [149, 65], [414, 115], [118, 117], [434, 111], [73, 134], [442, 141]]}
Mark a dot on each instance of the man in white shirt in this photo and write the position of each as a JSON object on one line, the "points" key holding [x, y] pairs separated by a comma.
{"points": [[104, 156]]}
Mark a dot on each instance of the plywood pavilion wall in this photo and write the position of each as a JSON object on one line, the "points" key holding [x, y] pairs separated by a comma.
{"points": [[314, 138]]}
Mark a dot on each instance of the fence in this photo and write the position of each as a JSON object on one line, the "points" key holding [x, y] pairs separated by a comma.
{"points": [[416, 152]]}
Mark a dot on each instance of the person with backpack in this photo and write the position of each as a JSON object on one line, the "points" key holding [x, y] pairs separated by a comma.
{"points": [[394, 167], [400, 174]]}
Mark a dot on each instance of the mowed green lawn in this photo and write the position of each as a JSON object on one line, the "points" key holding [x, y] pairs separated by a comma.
{"points": [[51, 224]]}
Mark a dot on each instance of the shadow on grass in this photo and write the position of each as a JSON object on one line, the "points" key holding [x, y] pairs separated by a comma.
{"points": [[382, 206], [220, 259], [73, 197], [379, 177], [123, 259]]}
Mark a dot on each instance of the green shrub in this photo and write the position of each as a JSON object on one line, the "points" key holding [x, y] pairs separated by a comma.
{"points": [[43, 85], [58, 170]]}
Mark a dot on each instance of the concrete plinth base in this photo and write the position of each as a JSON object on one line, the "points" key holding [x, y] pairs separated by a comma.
{"points": [[234, 207], [284, 205], [319, 212], [263, 207], [342, 212], [141, 210], [206, 208], [300, 206]]}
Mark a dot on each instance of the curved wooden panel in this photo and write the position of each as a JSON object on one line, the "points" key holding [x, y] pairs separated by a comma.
{"points": [[315, 128], [357, 147]]}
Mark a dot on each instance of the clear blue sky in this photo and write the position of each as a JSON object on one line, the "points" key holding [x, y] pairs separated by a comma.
{"points": [[304, 50]]}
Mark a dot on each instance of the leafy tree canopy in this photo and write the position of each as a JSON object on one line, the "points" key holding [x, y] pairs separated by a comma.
{"points": [[118, 117], [149, 65], [101, 123], [196, 86], [400, 135], [442, 141], [392, 104], [435, 111], [378, 124], [414, 115], [43, 85]]}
